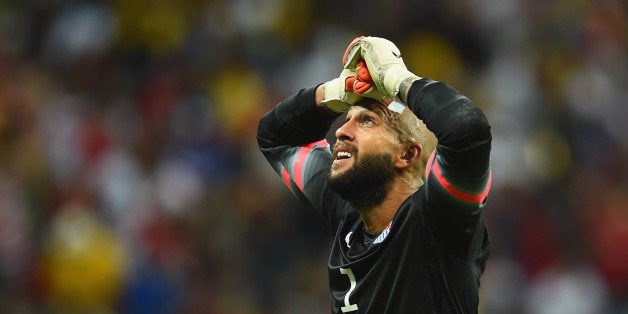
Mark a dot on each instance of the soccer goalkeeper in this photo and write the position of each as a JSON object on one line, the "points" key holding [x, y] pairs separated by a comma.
{"points": [[404, 209]]}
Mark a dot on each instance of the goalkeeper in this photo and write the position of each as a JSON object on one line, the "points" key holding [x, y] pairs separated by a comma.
{"points": [[404, 208]]}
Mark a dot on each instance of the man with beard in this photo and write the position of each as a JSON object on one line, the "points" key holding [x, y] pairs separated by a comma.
{"points": [[404, 213]]}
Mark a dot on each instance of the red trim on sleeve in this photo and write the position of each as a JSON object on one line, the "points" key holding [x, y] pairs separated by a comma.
{"points": [[285, 176], [300, 161], [428, 167], [451, 189]]}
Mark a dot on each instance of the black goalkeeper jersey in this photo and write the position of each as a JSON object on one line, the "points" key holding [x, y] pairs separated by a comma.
{"points": [[430, 257]]}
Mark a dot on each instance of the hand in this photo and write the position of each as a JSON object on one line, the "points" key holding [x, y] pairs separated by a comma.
{"points": [[381, 61], [338, 93]]}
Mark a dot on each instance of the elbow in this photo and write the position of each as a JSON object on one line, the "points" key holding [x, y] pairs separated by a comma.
{"points": [[481, 128], [262, 132], [471, 123]]}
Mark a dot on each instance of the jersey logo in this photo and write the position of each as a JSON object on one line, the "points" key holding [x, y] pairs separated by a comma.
{"points": [[382, 236], [348, 238]]}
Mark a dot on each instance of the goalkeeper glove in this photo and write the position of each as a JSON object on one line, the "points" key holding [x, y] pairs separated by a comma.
{"points": [[383, 60], [339, 95]]}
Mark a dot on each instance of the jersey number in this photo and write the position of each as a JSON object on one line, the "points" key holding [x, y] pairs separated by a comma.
{"points": [[348, 306]]}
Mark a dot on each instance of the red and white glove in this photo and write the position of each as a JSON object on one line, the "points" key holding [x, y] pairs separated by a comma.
{"points": [[378, 66], [340, 92], [339, 95]]}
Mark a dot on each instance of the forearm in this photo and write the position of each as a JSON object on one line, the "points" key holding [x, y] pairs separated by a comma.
{"points": [[292, 138], [296, 120]]}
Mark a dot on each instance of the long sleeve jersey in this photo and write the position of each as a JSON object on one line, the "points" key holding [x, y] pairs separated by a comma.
{"points": [[430, 257]]}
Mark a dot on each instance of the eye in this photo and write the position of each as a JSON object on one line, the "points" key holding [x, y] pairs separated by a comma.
{"points": [[368, 120]]}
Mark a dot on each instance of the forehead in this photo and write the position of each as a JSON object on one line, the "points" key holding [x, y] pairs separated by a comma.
{"points": [[378, 109]]}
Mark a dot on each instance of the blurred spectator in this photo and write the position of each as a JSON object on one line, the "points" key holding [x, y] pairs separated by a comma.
{"points": [[82, 262]]}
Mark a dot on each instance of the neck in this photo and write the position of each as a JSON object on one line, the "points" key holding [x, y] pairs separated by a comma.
{"points": [[378, 217]]}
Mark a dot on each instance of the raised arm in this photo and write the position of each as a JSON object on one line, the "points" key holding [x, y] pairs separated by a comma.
{"points": [[464, 139], [292, 138]]}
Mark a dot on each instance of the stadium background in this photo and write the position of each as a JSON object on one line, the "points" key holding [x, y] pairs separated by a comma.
{"points": [[130, 179]]}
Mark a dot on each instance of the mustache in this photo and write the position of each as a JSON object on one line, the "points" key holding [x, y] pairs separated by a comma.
{"points": [[344, 146]]}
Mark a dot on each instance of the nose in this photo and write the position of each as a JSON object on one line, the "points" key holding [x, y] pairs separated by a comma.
{"points": [[345, 131]]}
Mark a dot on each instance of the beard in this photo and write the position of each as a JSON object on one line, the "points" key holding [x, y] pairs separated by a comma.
{"points": [[366, 183]]}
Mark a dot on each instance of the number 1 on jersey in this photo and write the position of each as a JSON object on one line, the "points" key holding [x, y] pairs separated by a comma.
{"points": [[348, 306]]}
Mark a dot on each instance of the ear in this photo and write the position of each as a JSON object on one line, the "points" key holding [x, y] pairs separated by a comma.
{"points": [[411, 154]]}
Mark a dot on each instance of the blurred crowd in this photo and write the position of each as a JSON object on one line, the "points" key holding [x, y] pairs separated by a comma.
{"points": [[130, 180]]}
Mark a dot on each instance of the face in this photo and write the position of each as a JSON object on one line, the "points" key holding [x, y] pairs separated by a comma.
{"points": [[363, 168], [364, 132]]}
